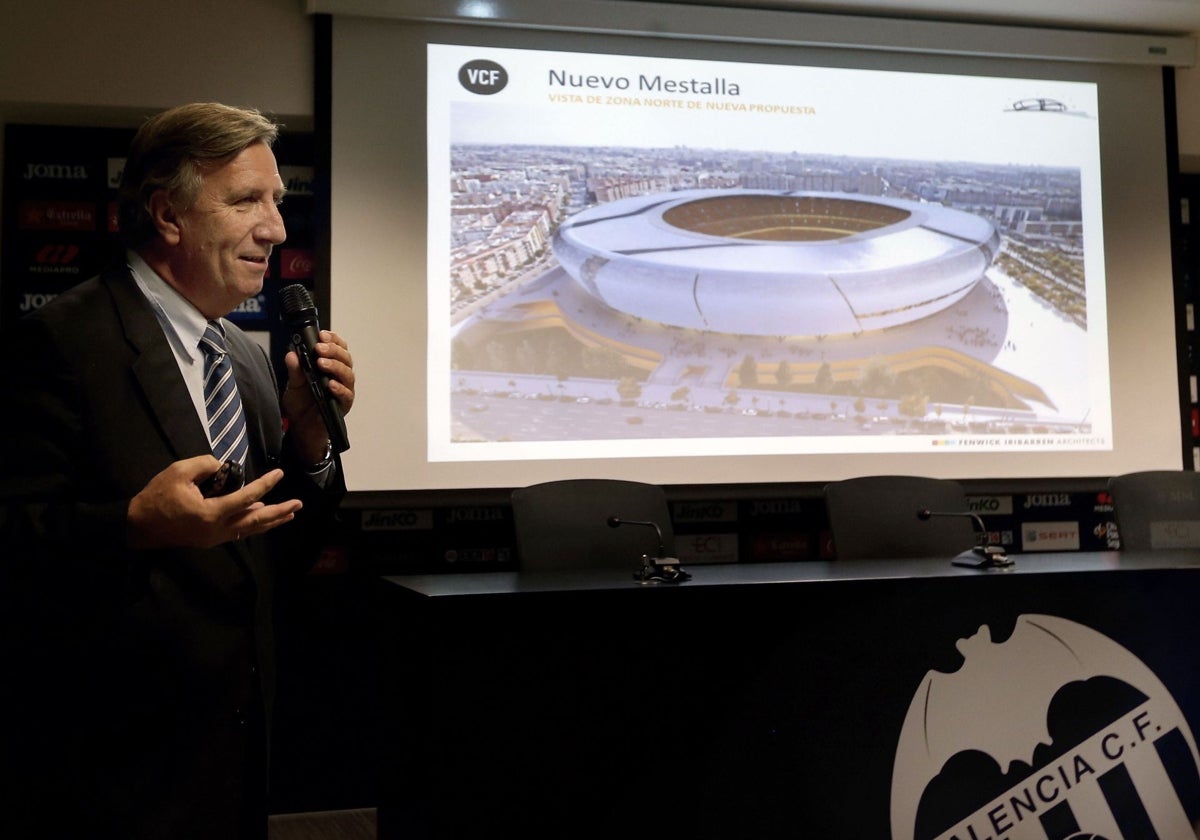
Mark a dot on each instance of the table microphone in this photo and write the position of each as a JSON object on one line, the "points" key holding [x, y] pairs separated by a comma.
{"points": [[989, 555], [659, 569]]}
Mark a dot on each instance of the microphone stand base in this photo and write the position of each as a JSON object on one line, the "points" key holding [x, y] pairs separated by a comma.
{"points": [[984, 557], [660, 570]]}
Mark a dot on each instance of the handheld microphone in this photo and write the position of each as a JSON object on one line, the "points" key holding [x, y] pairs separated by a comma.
{"points": [[990, 555], [300, 314]]}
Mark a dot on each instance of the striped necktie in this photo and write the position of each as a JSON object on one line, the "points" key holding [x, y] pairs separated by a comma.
{"points": [[226, 421]]}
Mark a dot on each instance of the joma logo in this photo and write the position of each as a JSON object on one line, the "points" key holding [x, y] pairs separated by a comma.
{"points": [[55, 172]]}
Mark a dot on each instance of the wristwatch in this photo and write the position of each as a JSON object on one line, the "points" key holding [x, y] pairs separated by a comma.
{"points": [[324, 463]]}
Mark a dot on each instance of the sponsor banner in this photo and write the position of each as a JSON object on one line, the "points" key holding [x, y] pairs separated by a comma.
{"points": [[333, 560], [54, 257], [1046, 500], [30, 301], [1107, 534], [475, 514], [1175, 534], [56, 215], [764, 508], [990, 505], [693, 549], [60, 193], [682, 512], [297, 180], [43, 171], [1003, 537], [296, 263], [116, 167], [1050, 536], [401, 519], [825, 547], [780, 548], [251, 309], [489, 556]]}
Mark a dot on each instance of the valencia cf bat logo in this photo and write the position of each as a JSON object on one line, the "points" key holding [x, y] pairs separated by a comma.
{"points": [[1058, 733]]}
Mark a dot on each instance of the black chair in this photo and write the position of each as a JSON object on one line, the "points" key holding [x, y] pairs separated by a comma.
{"points": [[566, 524], [877, 517], [1156, 509]]}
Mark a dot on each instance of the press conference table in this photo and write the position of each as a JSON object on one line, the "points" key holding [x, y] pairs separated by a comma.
{"points": [[773, 700]]}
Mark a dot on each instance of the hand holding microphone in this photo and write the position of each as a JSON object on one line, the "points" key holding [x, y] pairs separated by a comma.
{"points": [[300, 315]]}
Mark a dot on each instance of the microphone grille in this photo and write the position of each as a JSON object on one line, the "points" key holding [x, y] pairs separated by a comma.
{"points": [[295, 299]]}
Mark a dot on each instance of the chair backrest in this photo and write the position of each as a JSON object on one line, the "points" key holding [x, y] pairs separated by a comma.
{"points": [[875, 517], [1157, 509], [564, 524]]}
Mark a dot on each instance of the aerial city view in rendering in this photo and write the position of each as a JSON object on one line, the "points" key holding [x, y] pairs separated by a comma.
{"points": [[613, 292]]}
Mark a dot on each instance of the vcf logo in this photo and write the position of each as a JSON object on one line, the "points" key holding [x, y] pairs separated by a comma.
{"points": [[1057, 733], [57, 254], [483, 77]]}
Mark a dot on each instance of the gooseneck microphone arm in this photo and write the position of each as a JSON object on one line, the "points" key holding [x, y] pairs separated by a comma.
{"points": [[982, 535], [617, 522], [659, 569], [990, 555]]}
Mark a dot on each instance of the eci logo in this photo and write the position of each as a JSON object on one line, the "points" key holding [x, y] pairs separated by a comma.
{"points": [[483, 76]]}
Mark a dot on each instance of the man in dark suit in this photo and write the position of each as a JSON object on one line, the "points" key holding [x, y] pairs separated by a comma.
{"points": [[135, 612]]}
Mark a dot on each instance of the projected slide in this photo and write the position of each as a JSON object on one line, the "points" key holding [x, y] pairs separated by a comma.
{"points": [[634, 256]]}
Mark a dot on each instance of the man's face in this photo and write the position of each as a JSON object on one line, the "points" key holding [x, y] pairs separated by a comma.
{"points": [[227, 235]]}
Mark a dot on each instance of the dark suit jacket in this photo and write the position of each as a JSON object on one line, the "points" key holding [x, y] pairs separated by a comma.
{"points": [[143, 679]]}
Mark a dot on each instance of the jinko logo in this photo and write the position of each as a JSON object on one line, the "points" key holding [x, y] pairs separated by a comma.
{"points": [[483, 76], [1057, 733]]}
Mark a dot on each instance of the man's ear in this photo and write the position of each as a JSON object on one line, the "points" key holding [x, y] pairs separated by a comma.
{"points": [[166, 220]]}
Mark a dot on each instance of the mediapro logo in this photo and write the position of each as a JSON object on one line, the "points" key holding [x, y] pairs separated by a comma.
{"points": [[1057, 733], [55, 258]]}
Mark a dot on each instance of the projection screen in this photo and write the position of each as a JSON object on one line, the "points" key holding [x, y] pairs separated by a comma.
{"points": [[697, 260]]}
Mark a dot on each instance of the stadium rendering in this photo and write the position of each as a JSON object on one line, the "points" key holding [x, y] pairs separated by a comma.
{"points": [[775, 263]]}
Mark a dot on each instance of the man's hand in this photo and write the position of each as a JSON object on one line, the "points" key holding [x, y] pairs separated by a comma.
{"points": [[171, 512], [307, 431]]}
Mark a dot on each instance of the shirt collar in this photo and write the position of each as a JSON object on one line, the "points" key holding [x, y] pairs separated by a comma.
{"points": [[182, 322]]}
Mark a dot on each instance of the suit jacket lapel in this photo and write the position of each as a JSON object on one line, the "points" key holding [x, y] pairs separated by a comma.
{"points": [[162, 384], [156, 370]]}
